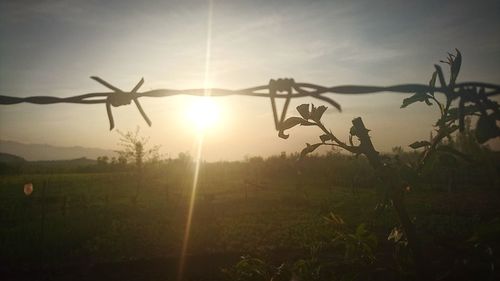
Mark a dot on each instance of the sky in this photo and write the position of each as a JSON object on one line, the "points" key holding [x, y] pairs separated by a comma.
{"points": [[52, 47]]}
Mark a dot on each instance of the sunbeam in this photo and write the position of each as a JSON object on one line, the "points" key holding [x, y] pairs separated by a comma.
{"points": [[199, 149], [192, 199]]}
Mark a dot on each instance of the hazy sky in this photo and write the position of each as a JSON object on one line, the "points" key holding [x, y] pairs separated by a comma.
{"points": [[52, 47]]}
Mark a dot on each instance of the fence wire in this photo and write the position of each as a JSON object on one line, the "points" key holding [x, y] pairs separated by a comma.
{"points": [[276, 89]]}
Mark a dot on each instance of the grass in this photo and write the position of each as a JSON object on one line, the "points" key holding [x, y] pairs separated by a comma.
{"points": [[101, 223]]}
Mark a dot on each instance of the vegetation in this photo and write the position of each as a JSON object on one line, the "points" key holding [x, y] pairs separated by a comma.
{"points": [[255, 209]]}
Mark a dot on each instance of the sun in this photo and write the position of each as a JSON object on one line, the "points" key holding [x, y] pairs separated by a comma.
{"points": [[203, 113]]}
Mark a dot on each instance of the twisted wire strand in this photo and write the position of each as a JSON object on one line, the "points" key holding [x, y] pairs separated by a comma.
{"points": [[315, 92], [273, 90]]}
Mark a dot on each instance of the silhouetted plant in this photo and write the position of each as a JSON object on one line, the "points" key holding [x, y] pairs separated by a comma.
{"points": [[135, 149], [395, 175]]}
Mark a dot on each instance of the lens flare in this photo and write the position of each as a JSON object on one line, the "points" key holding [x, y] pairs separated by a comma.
{"points": [[192, 198], [207, 93]]}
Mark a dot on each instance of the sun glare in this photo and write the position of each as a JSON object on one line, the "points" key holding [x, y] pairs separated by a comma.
{"points": [[203, 113]]}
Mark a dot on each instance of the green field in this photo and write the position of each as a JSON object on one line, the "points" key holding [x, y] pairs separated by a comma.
{"points": [[91, 219]]}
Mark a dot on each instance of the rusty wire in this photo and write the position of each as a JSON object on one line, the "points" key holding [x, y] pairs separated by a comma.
{"points": [[281, 88]]}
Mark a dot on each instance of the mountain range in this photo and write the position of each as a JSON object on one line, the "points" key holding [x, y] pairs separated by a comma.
{"points": [[44, 152]]}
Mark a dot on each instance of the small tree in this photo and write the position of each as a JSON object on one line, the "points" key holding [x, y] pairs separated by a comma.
{"points": [[102, 160], [135, 150]]}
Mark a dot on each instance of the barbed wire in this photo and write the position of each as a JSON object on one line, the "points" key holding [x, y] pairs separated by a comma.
{"points": [[276, 89]]}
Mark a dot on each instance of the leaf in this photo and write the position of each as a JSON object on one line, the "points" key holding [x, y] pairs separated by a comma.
{"points": [[303, 109], [287, 124], [291, 122], [432, 83], [419, 96], [447, 131], [282, 135], [455, 112], [396, 235], [317, 113], [419, 144], [486, 128], [455, 64], [325, 137], [308, 149], [307, 123]]}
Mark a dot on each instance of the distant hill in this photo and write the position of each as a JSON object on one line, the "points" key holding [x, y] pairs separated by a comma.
{"points": [[10, 158], [70, 162], [45, 152]]}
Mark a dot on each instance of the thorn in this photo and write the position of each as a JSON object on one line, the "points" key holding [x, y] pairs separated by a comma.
{"points": [[136, 88], [110, 116], [106, 84]]}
